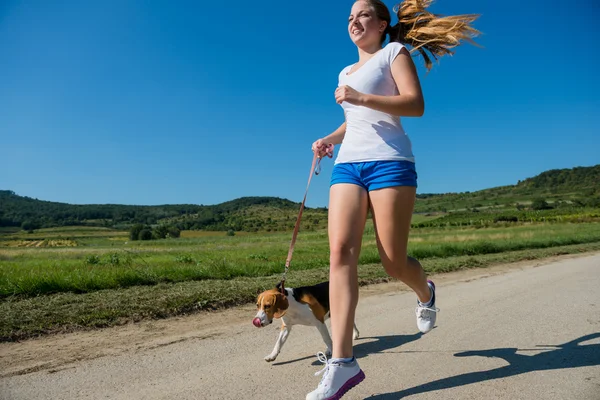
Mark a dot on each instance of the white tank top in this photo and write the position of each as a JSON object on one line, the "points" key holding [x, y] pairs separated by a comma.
{"points": [[373, 135]]}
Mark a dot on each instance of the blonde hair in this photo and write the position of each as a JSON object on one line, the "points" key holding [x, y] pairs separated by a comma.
{"points": [[432, 35]]}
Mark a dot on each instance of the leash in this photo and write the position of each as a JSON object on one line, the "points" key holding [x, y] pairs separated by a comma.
{"points": [[314, 169]]}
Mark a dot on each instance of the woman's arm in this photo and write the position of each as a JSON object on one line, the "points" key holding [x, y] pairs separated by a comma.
{"points": [[408, 103], [336, 136]]}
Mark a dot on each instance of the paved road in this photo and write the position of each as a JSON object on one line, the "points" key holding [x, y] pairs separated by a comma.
{"points": [[525, 334]]}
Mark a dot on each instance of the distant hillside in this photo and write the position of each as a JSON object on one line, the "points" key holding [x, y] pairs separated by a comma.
{"points": [[564, 180], [246, 213], [578, 186]]}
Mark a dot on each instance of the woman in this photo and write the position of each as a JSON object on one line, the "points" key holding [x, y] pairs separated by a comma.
{"points": [[375, 166]]}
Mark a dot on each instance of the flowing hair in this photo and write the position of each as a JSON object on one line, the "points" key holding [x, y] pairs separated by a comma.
{"points": [[430, 34]]}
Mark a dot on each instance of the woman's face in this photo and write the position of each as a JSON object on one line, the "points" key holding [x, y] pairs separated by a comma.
{"points": [[363, 25]]}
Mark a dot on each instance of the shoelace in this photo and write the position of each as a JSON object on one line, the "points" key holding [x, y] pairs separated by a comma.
{"points": [[323, 358], [421, 311]]}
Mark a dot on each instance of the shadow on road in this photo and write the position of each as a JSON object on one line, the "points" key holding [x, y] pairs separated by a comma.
{"points": [[568, 355], [368, 345]]}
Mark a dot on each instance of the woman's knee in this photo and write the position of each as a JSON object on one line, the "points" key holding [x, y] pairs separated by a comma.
{"points": [[343, 255]]}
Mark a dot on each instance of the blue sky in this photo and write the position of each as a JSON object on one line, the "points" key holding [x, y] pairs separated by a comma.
{"points": [[156, 102]]}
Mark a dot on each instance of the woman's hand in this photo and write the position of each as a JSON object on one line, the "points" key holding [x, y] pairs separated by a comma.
{"points": [[348, 94], [321, 148]]}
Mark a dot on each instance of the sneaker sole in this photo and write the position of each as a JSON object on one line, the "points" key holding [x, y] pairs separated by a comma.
{"points": [[355, 380], [431, 283]]}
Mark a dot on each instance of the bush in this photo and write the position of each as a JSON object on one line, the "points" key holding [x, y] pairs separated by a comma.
{"points": [[160, 232], [594, 202], [540, 204], [134, 232], [173, 232], [92, 260], [230, 232], [114, 259], [145, 234], [184, 259], [507, 218], [29, 226]]}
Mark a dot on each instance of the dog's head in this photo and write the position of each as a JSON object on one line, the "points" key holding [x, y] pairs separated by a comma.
{"points": [[270, 304]]}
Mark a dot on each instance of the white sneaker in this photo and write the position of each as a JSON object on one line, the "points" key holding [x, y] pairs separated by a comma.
{"points": [[337, 379], [426, 315]]}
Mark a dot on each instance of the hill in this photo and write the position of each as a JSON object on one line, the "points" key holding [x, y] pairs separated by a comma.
{"points": [[576, 187], [246, 213], [580, 185]]}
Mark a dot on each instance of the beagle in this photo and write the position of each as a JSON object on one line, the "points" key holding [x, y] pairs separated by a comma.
{"points": [[307, 305]]}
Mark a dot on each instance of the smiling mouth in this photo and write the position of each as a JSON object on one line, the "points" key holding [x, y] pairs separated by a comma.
{"points": [[356, 31]]}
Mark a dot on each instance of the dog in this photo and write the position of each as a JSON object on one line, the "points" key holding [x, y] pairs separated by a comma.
{"points": [[306, 305]]}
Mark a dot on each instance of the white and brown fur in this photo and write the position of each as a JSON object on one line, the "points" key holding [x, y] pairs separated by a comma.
{"points": [[307, 305]]}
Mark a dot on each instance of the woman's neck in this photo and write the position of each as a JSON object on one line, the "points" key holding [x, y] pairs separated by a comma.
{"points": [[366, 52]]}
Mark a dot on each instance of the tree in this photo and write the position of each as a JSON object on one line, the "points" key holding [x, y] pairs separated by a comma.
{"points": [[134, 232], [29, 226], [160, 232], [145, 234], [594, 202], [173, 232], [540, 204]]}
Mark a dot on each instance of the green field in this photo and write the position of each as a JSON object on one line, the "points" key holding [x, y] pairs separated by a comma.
{"points": [[103, 259], [64, 279]]}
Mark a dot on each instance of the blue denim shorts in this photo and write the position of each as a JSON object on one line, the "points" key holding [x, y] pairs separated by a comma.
{"points": [[375, 175]]}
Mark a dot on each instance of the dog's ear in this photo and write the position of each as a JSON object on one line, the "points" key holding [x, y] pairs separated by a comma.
{"points": [[281, 305], [281, 287], [258, 299]]}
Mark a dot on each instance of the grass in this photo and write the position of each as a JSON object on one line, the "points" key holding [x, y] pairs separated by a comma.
{"points": [[66, 231], [22, 318], [202, 234], [422, 218], [101, 263], [485, 217], [103, 279]]}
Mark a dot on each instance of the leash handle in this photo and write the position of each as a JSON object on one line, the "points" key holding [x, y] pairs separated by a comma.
{"points": [[328, 153], [316, 170]]}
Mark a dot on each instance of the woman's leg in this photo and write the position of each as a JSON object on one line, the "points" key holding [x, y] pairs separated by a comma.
{"points": [[348, 206], [392, 209]]}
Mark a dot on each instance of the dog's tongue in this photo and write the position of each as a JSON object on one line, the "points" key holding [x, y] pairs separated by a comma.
{"points": [[256, 322]]}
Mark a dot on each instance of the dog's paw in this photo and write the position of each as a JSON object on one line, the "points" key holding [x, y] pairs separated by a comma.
{"points": [[328, 353], [356, 335], [270, 357]]}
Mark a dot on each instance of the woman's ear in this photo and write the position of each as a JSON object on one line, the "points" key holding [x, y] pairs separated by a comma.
{"points": [[383, 26]]}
